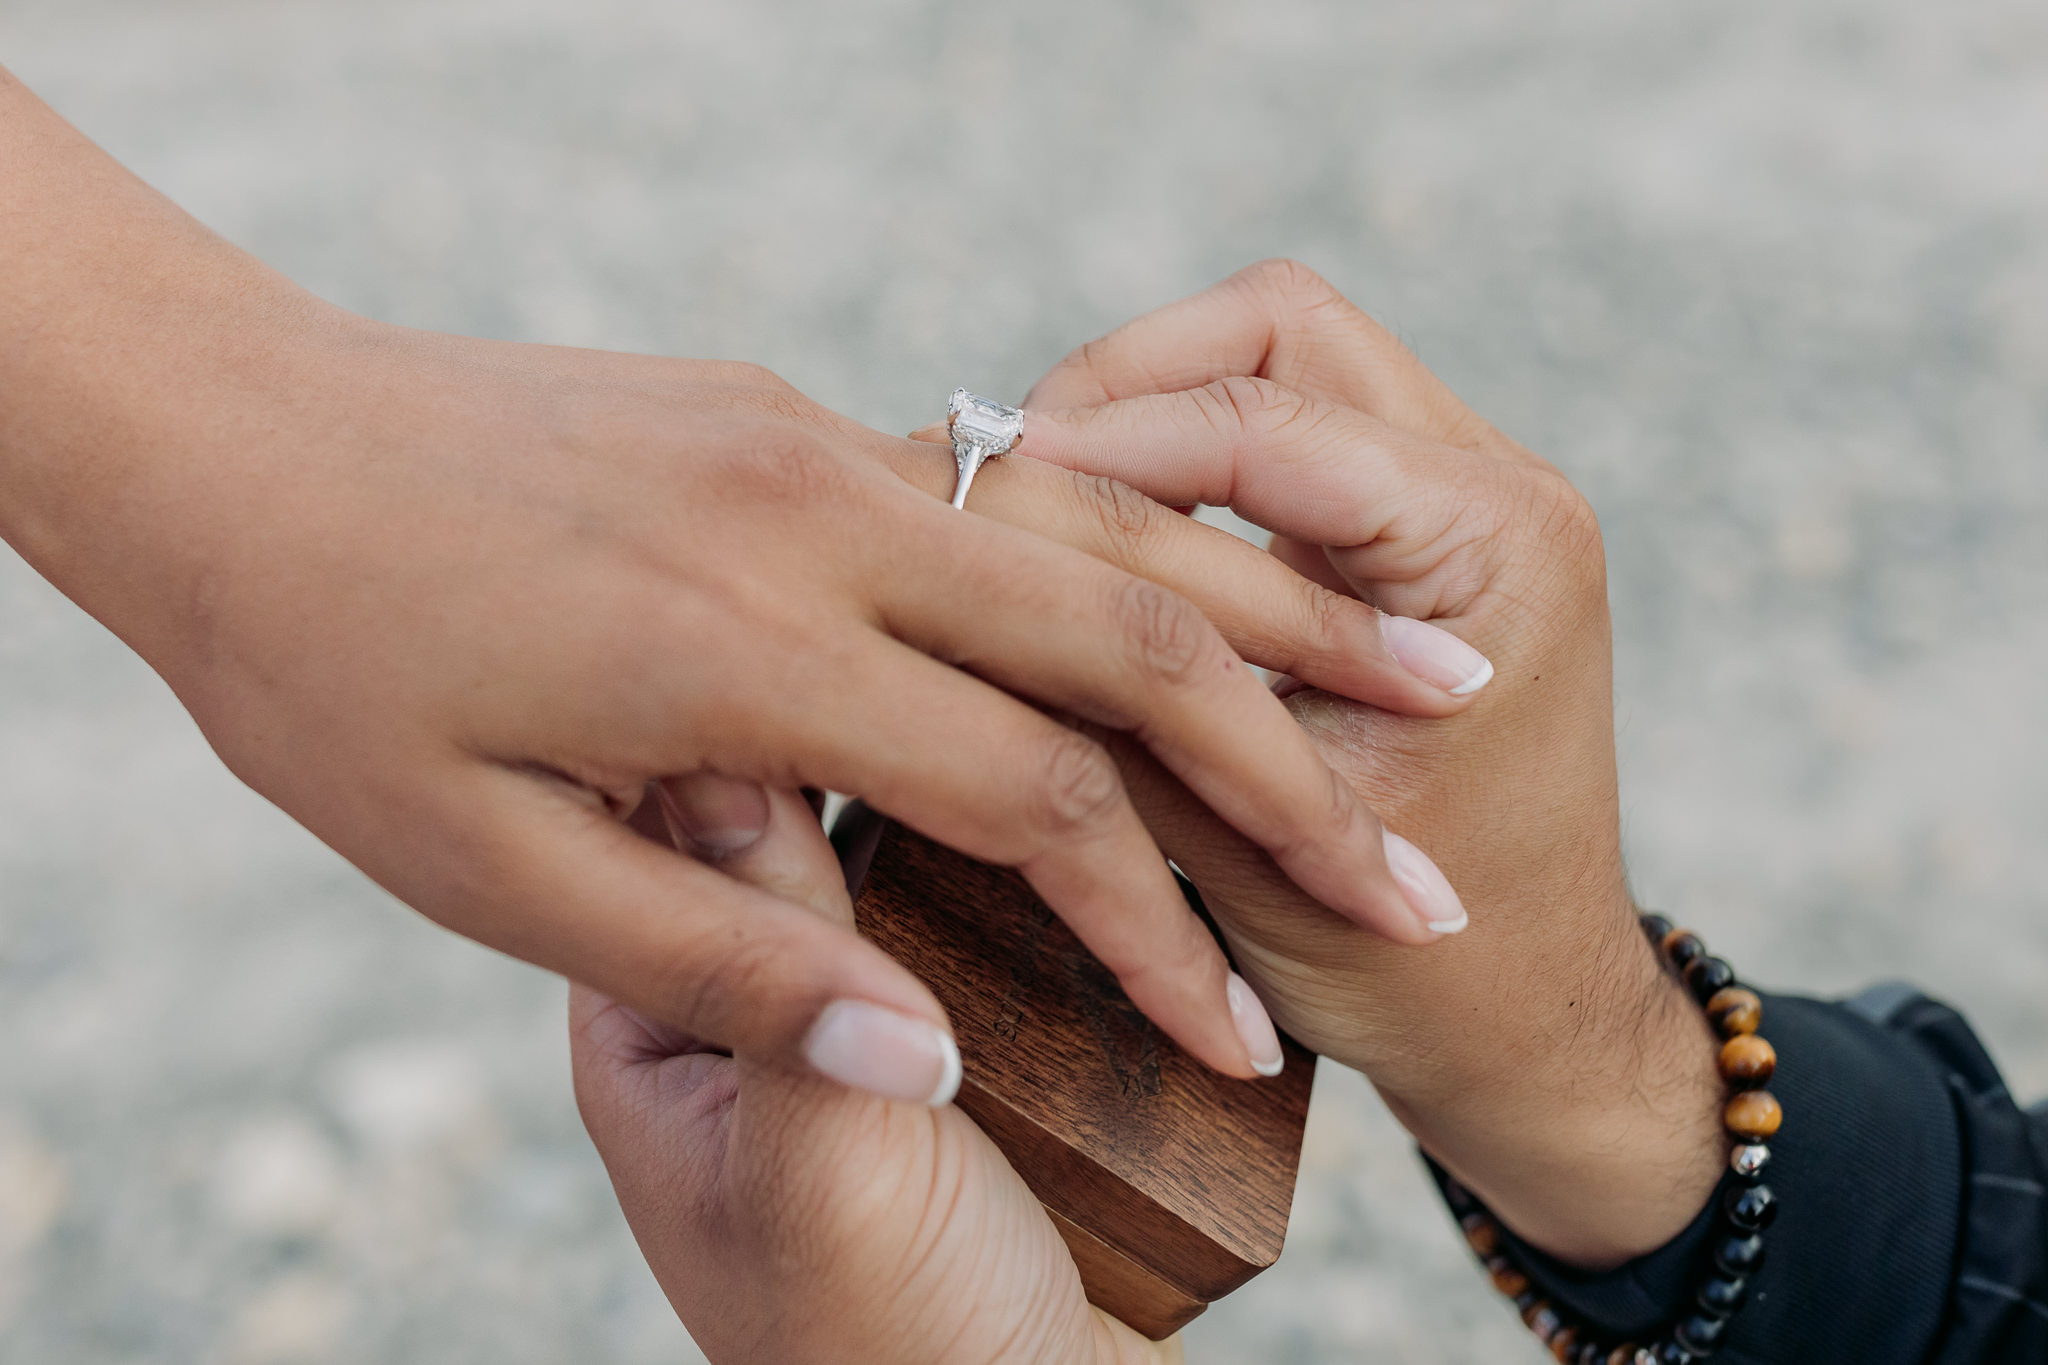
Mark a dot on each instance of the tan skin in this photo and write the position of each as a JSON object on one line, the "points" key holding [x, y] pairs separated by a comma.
{"points": [[1541, 1055], [453, 603]]}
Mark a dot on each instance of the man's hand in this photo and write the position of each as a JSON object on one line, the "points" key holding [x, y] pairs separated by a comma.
{"points": [[1543, 1056], [792, 1222], [452, 603]]}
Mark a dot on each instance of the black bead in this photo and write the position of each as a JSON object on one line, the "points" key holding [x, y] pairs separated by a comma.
{"points": [[1706, 975], [1684, 949], [1676, 1353], [1590, 1352], [1751, 1208], [1525, 1300], [1739, 1255], [1722, 1295], [1460, 1201], [1700, 1334], [1655, 926]]}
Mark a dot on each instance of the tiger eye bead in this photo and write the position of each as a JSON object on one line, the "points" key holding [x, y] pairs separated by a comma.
{"points": [[1747, 1061], [1754, 1114], [1622, 1355], [1735, 1010], [1564, 1346], [1482, 1234], [1681, 946], [1511, 1282]]}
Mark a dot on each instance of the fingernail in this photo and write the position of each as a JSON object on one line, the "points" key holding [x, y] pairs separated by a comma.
{"points": [[893, 1055], [1427, 890], [1435, 655], [715, 815], [1254, 1028]]}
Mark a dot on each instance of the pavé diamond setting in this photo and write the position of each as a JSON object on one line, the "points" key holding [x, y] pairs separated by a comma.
{"points": [[982, 429]]}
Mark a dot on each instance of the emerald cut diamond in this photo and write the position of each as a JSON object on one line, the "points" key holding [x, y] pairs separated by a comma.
{"points": [[978, 421]]}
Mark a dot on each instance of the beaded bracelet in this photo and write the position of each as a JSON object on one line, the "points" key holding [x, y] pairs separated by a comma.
{"points": [[1751, 1115]]}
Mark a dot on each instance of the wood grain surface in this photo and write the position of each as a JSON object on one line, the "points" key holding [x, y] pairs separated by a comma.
{"points": [[1180, 1178], [1123, 1288]]}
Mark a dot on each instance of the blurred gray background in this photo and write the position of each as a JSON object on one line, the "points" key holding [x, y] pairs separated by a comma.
{"points": [[1769, 280]]}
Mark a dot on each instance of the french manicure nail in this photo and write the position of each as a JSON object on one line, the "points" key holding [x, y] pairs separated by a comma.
{"points": [[1435, 655], [893, 1055], [1427, 890], [1254, 1027]]}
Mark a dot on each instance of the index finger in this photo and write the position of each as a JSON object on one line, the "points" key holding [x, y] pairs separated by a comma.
{"points": [[1272, 615], [1276, 320]]}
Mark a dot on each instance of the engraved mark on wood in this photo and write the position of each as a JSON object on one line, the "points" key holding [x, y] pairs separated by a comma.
{"points": [[1024, 976], [1128, 1042]]}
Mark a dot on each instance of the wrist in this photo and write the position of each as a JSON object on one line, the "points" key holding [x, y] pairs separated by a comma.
{"points": [[1599, 1139], [138, 351]]}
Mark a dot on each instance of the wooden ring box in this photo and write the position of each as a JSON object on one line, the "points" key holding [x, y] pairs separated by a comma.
{"points": [[1170, 1183]]}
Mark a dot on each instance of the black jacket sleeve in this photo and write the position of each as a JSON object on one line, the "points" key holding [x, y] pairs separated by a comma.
{"points": [[1913, 1228]]}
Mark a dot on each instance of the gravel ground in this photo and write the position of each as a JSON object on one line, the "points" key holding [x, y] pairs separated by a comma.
{"points": [[1769, 280]]}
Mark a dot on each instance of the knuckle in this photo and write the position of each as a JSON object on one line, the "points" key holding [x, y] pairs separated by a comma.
{"points": [[1127, 515], [1256, 405], [784, 463], [1090, 357], [1324, 614], [1166, 635], [768, 458], [1338, 811], [781, 403], [1078, 787], [742, 374], [1184, 953], [1289, 279], [1565, 521]]}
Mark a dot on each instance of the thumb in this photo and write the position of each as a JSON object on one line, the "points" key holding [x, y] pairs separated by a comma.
{"points": [[682, 943], [767, 838], [1120, 1345]]}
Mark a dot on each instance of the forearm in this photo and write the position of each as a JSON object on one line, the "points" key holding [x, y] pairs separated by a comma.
{"points": [[133, 344]]}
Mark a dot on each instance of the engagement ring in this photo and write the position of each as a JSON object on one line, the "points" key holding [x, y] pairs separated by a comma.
{"points": [[982, 429]]}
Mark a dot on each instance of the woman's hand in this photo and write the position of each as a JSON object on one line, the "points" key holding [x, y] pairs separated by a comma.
{"points": [[1542, 1056], [451, 603], [792, 1222]]}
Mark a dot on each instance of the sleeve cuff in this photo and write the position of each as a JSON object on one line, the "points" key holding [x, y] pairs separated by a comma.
{"points": [[1868, 1168]]}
